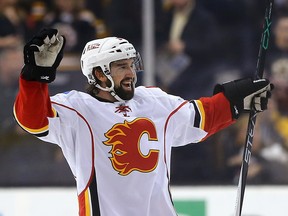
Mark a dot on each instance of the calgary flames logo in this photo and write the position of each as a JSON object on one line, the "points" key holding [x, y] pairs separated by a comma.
{"points": [[125, 141]]}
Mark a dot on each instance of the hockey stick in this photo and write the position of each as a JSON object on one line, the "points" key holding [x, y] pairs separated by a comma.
{"points": [[252, 116]]}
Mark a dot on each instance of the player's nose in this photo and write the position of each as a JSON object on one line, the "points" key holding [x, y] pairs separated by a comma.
{"points": [[130, 72]]}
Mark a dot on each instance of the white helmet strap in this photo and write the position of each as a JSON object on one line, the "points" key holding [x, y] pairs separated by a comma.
{"points": [[113, 93]]}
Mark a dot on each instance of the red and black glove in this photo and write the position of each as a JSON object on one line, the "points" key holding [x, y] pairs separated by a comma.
{"points": [[42, 55], [245, 94]]}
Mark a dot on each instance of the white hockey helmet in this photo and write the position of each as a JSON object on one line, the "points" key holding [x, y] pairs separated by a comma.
{"points": [[101, 52]]}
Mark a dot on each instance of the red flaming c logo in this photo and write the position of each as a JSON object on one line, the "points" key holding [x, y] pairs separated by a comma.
{"points": [[125, 141]]}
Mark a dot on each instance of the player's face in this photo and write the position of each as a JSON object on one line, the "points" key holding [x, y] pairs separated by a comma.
{"points": [[123, 74]]}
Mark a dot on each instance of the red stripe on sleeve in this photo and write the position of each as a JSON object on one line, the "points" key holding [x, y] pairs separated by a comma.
{"points": [[217, 113]]}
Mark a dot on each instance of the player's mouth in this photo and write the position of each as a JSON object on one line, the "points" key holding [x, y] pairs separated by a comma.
{"points": [[127, 85]]}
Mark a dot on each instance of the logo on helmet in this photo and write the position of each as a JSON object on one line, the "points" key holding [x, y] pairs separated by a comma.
{"points": [[93, 46], [125, 139]]}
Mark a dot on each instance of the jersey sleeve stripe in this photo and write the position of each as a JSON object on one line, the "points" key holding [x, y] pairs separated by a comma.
{"points": [[54, 112], [37, 132], [202, 113], [197, 115], [199, 121]]}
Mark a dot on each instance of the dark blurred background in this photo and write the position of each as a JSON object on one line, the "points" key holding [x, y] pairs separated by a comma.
{"points": [[198, 43]]}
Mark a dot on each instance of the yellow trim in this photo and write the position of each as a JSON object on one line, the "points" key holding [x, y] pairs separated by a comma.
{"points": [[202, 114], [87, 203], [35, 131], [54, 112], [30, 130]]}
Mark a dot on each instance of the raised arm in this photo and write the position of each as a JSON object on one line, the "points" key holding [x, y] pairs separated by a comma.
{"points": [[42, 55]]}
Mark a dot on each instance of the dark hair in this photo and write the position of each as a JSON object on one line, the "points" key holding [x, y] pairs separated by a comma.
{"points": [[92, 90]]}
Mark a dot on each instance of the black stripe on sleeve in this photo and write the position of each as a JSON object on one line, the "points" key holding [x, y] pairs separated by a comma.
{"points": [[41, 134], [197, 118]]}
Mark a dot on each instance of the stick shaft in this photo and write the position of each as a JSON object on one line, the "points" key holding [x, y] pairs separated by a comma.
{"points": [[252, 116]]}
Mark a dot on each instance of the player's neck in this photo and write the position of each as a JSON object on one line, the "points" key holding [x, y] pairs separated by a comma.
{"points": [[105, 96]]}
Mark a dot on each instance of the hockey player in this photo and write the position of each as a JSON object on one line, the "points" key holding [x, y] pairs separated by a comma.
{"points": [[116, 138]]}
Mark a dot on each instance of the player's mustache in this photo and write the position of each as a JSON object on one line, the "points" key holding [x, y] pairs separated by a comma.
{"points": [[127, 80]]}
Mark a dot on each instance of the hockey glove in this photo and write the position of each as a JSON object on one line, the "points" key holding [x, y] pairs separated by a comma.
{"points": [[42, 55], [245, 94]]}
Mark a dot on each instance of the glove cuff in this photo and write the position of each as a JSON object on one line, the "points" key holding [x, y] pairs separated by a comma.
{"points": [[242, 93], [38, 73], [235, 92]]}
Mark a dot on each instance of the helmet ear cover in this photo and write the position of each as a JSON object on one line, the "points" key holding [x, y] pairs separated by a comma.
{"points": [[97, 73]]}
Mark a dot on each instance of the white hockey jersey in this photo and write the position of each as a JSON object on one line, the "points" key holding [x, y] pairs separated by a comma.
{"points": [[120, 153]]}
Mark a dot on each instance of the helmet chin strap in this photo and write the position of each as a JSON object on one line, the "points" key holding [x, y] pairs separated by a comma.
{"points": [[113, 93], [110, 89]]}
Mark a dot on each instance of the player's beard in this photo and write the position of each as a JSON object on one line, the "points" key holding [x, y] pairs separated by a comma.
{"points": [[123, 93]]}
